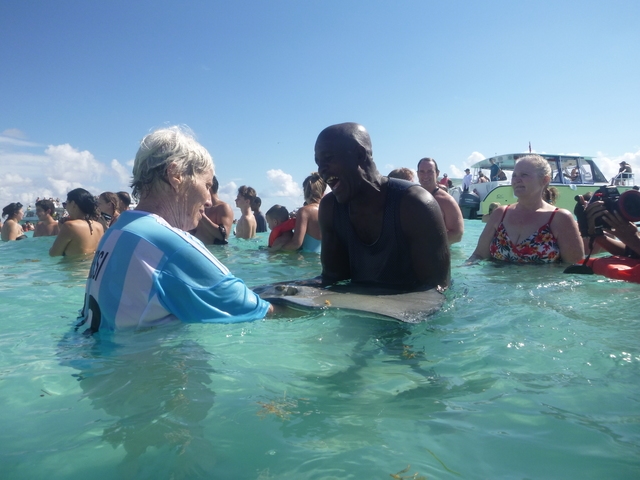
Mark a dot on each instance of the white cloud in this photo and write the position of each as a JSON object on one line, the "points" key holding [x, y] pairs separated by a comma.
{"points": [[15, 133], [14, 179], [16, 142], [458, 172], [610, 165], [72, 165], [282, 184], [124, 174]]}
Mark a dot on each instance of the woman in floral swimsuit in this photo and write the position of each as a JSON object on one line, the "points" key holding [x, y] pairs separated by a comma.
{"points": [[531, 230]]}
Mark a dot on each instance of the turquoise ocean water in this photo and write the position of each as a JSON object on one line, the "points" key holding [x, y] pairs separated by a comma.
{"points": [[526, 373]]}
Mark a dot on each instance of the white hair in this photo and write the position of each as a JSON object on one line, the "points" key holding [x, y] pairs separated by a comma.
{"points": [[171, 145]]}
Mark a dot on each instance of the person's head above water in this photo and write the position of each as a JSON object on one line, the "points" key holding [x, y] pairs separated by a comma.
{"points": [[12, 210], [86, 205], [172, 175], [44, 209], [428, 172], [313, 187], [173, 148], [402, 173], [531, 176], [124, 200], [345, 161]]}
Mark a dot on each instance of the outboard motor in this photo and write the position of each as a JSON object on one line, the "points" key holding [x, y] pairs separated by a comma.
{"points": [[469, 204]]}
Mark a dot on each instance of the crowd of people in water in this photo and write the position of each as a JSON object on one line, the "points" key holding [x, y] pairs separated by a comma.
{"points": [[385, 231]]}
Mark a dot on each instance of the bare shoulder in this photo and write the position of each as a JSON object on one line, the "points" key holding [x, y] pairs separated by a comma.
{"points": [[563, 218], [418, 198]]}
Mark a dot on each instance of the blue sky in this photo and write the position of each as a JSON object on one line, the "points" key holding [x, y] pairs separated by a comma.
{"points": [[257, 81]]}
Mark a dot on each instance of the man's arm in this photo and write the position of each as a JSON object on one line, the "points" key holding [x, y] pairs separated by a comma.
{"points": [[626, 231], [424, 228], [452, 218], [334, 255]]}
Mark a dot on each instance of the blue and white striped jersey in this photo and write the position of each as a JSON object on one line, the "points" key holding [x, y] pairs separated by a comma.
{"points": [[148, 273]]}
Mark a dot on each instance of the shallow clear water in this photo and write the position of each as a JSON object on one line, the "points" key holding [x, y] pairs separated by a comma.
{"points": [[525, 373]]}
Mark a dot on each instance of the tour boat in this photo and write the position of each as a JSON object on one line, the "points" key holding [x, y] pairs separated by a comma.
{"points": [[571, 175]]}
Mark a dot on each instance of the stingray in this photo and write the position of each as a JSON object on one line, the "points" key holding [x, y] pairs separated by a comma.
{"points": [[408, 307]]}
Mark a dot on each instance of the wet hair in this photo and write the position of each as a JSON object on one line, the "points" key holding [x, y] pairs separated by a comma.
{"points": [[248, 193], [46, 205], [10, 210], [87, 203], [314, 187], [163, 147], [214, 184], [278, 213], [403, 173], [428, 159], [124, 199]]}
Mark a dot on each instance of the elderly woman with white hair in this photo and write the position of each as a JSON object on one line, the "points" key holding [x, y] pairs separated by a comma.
{"points": [[148, 270], [531, 230]]}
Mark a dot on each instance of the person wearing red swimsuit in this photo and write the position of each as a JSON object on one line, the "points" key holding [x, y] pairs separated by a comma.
{"points": [[531, 230]]}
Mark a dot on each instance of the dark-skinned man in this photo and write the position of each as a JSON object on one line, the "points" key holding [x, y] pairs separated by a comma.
{"points": [[375, 230]]}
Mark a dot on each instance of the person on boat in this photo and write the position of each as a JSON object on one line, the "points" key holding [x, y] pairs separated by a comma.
{"points": [[427, 174], [281, 226], [531, 230], [625, 168], [81, 232], [109, 208], [47, 226], [261, 221], [11, 229], [148, 269], [402, 173], [482, 178], [466, 180], [217, 222], [246, 226], [444, 181], [575, 174], [307, 235], [501, 175], [494, 171], [376, 230]]}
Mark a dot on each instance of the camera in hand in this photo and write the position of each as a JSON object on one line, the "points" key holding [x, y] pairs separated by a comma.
{"points": [[626, 203]]}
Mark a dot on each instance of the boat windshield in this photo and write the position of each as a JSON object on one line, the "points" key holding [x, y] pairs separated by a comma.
{"points": [[565, 169]]}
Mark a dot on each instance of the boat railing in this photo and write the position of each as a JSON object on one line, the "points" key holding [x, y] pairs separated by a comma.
{"points": [[624, 179]]}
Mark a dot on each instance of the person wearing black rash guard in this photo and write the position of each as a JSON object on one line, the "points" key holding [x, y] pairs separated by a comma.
{"points": [[375, 230]]}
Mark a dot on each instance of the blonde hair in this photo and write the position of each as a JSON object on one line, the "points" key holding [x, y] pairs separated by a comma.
{"points": [[549, 195], [314, 187], [540, 164]]}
